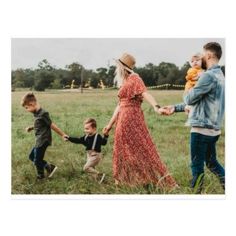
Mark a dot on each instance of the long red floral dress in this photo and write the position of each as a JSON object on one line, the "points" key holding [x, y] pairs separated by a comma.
{"points": [[135, 157]]}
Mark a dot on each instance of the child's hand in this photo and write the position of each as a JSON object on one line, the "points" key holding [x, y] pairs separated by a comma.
{"points": [[105, 131], [196, 78], [28, 129], [187, 109], [65, 137], [199, 74]]}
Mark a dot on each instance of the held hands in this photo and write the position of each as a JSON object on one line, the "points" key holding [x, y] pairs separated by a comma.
{"points": [[157, 110], [167, 110], [65, 137], [106, 129]]}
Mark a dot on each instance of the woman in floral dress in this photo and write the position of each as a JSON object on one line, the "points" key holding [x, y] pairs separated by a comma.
{"points": [[136, 160]]}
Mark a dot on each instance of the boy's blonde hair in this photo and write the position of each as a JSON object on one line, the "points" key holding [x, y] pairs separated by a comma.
{"points": [[28, 98], [91, 121]]}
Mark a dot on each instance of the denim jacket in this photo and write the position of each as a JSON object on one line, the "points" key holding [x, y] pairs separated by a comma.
{"points": [[207, 100]]}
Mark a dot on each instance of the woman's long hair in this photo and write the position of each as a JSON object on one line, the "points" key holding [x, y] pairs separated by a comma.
{"points": [[120, 74]]}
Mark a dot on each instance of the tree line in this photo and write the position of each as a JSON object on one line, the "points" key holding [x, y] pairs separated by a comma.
{"points": [[46, 76]]}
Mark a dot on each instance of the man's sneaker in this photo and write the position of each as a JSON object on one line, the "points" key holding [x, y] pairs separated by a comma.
{"points": [[50, 168], [102, 176], [197, 183]]}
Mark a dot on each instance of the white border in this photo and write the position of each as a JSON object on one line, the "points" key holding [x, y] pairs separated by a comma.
{"points": [[150, 18]]}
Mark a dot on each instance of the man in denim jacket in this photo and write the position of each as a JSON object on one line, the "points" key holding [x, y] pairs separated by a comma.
{"points": [[205, 117]]}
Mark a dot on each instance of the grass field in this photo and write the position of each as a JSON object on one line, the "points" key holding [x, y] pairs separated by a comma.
{"points": [[68, 110]]}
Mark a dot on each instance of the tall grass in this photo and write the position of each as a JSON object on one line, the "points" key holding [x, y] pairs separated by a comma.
{"points": [[68, 110]]}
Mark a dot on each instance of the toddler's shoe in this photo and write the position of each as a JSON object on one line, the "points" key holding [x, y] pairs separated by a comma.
{"points": [[101, 176]]}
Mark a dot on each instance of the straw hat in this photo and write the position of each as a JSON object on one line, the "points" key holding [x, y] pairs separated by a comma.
{"points": [[128, 61]]}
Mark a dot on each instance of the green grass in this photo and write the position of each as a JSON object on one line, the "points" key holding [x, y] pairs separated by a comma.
{"points": [[68, 110]]}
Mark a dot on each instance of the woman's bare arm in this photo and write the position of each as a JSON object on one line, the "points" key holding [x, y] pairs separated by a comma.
{"points": [[151, 100], [112, 120]]}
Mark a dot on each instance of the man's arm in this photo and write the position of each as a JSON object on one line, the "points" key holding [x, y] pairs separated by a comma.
{"points": [[151, 100], [203, 86], [179, 107], [171, 109]]}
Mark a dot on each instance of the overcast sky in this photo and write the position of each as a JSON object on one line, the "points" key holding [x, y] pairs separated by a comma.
{"points": [[94, 53]]}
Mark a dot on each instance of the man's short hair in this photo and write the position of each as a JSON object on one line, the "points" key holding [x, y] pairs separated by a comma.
{"points": [[28, 98], [92, 122], [215, 48]]}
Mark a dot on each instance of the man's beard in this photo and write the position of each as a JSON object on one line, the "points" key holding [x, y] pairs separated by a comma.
{"points": [[204, 66]]}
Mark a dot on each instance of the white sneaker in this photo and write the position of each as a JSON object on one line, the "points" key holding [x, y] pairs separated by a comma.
{"points": [[102, 178]]}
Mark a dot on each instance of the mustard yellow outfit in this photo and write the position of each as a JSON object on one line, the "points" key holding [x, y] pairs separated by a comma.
{"points": [[191, 74]]}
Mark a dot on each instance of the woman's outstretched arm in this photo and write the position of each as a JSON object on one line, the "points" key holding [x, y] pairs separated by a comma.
{"points": [[151, 100]]}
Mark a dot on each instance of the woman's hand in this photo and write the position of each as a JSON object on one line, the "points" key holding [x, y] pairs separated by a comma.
{"points": [[106, 129], [158, 110], [167, 110]]}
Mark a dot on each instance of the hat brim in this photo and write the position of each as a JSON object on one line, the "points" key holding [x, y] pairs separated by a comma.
{"points": [[123, 64]]}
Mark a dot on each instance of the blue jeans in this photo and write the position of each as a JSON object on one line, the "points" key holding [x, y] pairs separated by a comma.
{"points": [[203, 149], [37, 155]]}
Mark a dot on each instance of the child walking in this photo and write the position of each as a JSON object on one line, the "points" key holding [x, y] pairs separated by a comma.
{"points": [[42, 128], [93, 142]]}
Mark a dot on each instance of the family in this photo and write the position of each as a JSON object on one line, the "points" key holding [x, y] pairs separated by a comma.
{"points": [[136, 160]]}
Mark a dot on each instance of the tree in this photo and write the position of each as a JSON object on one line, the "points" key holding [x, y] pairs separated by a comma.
{"points": [[18, 78], [149, 74], [102, 74], [44, 76], [167, 73], [43, 80], [182, 74], [94, 80], [110, 76], [45, 65], [23, 78], [47, 76], [75, 72]]}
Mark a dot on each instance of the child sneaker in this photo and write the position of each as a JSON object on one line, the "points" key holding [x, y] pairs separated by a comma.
{"points": [[40, 177], [50, 168], [40, 173]]}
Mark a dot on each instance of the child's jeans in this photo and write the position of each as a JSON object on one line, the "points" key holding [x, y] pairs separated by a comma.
{"points": [[37, 155], [93, 158]]}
